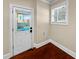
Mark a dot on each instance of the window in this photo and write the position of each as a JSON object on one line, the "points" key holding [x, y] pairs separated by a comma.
{"points": [[59, 15], [23, 21]]}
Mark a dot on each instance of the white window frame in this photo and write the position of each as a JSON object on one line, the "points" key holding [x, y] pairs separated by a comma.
{"points": [[65, 22]]}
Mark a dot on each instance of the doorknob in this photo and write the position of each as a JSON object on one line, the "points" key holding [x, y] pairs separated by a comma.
{"points": [[30, 31], [30, 27]]}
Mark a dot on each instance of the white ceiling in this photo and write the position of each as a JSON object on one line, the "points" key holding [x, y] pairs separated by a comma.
{"points": [[49, 1]]}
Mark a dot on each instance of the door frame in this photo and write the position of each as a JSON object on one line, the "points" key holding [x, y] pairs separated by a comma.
{"points": [[11, 29]]}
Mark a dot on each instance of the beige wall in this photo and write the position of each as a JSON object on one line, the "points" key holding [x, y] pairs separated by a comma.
{"points": [[6, 40], [6, 26], [42, 21], [66, 34]]}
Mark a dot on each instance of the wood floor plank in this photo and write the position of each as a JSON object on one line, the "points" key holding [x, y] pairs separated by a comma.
{"points": [[48, 51]]}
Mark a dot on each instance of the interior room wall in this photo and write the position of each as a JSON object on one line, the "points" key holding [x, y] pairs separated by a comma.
{"points": [[6, 5], [42, 21], [6, 26], [66, 34]]}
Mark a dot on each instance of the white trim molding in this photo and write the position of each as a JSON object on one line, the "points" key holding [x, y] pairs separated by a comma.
{"points": [[65, 49], [41, 44], [11, 25], [7, 56]]}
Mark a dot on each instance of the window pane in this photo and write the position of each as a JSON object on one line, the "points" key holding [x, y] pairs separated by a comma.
{"points": [[61, 14], [55, 15], [23, 21]]}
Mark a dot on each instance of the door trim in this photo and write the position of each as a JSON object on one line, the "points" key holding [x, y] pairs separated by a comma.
{"points": [[10, 25]]}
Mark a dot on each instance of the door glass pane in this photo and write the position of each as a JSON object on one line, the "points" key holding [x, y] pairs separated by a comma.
{"points": [[23, 21]]}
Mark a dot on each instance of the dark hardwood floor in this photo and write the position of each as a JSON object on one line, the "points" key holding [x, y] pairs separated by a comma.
{"points": [[48, 51]]}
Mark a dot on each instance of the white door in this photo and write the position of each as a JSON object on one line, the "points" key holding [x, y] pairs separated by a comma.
{"points": [[22, 28]]}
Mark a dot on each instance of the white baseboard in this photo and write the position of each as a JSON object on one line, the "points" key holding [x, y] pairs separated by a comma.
{"points": [[41, 44], [65, 49], [70, 52], [7, 56]]}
